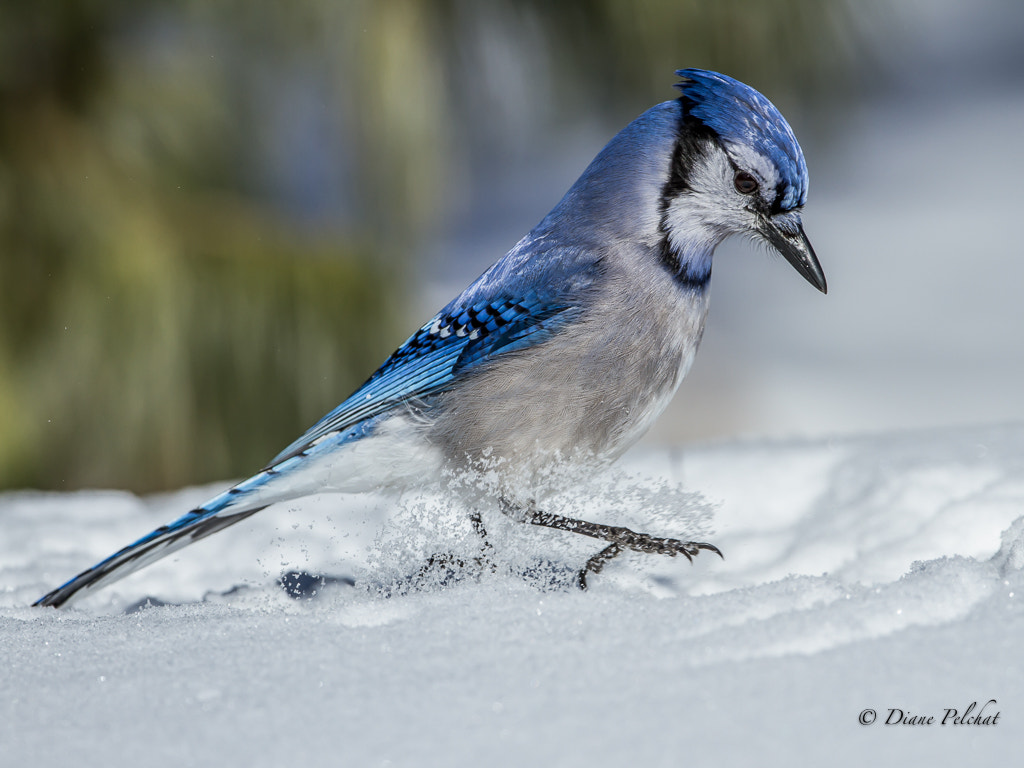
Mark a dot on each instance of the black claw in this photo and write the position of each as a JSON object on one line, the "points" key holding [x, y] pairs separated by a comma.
{"points": [[710, 548]]}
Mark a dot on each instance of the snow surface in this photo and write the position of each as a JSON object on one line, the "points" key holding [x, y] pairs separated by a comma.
{"points": [[872, 572]]}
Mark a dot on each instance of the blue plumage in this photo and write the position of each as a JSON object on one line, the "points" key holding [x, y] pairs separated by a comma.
{"points": [[747, 117], [563, 352], [457, 339]]}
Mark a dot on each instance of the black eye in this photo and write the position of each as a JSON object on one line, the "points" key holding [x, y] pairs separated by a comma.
{"points": [[745, 183]]}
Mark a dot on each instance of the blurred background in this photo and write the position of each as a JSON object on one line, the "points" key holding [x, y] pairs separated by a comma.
{"points": [[216, 219]]}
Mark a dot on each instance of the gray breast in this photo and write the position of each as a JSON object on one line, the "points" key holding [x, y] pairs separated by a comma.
{"points": [[587, 393]]}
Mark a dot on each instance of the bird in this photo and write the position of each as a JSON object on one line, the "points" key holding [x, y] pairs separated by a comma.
{"points": [[565, 350]]}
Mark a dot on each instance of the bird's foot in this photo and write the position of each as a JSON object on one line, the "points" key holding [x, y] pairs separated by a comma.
{"points": [[642, 542], [444, 570], [619, 539]]}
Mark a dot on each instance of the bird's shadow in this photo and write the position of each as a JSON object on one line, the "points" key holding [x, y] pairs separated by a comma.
{"points": [[298, 585], [440, 572]]}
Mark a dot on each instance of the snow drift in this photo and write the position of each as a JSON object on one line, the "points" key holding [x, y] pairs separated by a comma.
{"points": [[878, 573]]}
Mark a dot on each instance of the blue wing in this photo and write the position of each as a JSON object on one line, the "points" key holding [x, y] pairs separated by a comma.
{"points": [[431, 359], [495, 315]]}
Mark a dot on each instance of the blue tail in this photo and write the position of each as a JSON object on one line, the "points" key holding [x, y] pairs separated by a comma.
{"points": [[234, 505], [218, 513]]}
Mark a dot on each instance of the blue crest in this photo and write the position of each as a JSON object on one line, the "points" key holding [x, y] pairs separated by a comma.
{"points": [[741, 115]]}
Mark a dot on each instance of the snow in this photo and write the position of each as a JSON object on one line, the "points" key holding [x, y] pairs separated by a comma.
{"points": [[878, 572]]}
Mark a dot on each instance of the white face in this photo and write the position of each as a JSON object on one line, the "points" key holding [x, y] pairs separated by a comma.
{"points": [[729, 192]]}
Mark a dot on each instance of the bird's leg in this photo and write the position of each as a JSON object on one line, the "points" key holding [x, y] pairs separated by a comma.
{"points": [[478, 527], [619, 538], [624, 537], [483, 560], [448, 564]]}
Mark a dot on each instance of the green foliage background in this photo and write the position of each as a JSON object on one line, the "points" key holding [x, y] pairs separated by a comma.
{"points": [[163, 318]]}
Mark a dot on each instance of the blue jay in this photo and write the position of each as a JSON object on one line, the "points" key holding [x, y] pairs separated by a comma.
{"points": [[564, 351]]}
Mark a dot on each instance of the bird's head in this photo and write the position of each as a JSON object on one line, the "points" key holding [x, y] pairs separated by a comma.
{"points": [[737, 169]]}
